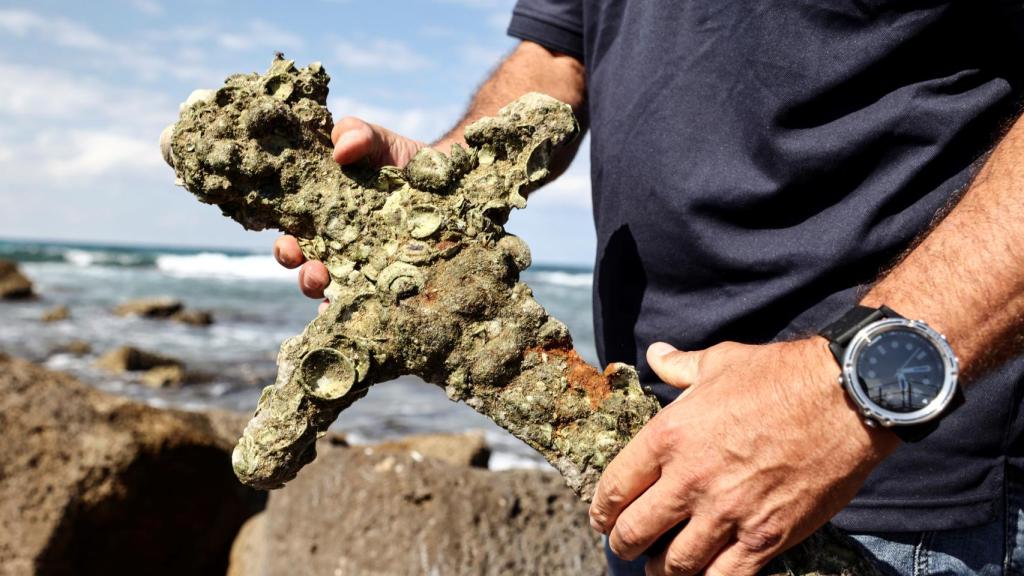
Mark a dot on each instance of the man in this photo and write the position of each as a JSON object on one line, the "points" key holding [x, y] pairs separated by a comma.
{"points": [[760, 168]]}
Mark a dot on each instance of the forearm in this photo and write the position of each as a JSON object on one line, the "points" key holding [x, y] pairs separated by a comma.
{"points": [[966, 277], [529, 68]]}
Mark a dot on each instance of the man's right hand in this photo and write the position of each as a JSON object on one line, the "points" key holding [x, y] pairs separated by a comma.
{"points": [[353, 140]]}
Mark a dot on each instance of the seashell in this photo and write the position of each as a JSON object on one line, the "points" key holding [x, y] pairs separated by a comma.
{"points": [[537, 163], [279, 86], [429, 170], [326, 374], [400, 279], [424, 221], [462, 160], [197, 96], [517, 250], [165, 144], [416, 252]]}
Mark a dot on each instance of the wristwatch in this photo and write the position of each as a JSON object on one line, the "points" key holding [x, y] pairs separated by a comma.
{"points": [[901, 374]]}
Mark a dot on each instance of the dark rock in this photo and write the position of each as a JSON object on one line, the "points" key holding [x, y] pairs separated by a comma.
{"points": [[74, 347], [149, 307], [193, 317], [94, 484], [13, 284], [170, 376], [351, 512], [56, 314], [129, 359]]}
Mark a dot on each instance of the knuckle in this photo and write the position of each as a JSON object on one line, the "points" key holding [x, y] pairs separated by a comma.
{"points": [[627, 539], [681, 564], [612, 492], [761, 539]]}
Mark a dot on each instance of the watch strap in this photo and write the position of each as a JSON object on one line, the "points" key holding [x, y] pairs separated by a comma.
{"points": [[841, 332]]}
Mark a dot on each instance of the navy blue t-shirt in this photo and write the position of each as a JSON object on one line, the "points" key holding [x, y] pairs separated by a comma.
{"points": [[756, 164]]}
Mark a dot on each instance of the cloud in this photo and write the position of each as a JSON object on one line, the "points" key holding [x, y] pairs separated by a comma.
{"points": [[482, 56], [148, 7], [91, 154], [94, 49], [380, 54], [259, 34], [570, 189], [36, 93], [415, 122]]}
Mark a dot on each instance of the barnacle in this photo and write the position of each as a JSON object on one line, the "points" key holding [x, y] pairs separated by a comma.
{"points": [[424, 277]]}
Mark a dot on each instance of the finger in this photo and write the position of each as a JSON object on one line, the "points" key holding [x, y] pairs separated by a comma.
{"points": [[287, 252], [354, 140], [633, 470], [652, 514], [313, 278], [323, 306], [741, 559], [675, 367], [693, 549]]}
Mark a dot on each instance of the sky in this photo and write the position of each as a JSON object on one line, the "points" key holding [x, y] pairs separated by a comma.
{"points": [[88, 86]]}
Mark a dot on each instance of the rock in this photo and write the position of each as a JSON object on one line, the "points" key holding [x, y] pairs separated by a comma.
{"points": [[129, 359], [149, 307], [245, 550], [13, 284], [468, 449], [56, 314], [380, 514], [193, 317], [170, 376], [74, 347], [95, 484]]}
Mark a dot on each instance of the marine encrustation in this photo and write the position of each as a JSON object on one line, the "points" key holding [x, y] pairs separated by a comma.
{"points": [[424, 279]]}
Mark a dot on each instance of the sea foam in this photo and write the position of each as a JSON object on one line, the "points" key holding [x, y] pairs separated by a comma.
{"points": [[219, 265]]}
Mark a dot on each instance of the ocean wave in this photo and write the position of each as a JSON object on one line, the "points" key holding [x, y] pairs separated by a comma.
{"points": [[219, 265], [569, 279]]}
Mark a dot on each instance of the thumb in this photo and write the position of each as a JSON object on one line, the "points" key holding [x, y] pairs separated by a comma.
{"points": [[675, 367], [355, 139]]}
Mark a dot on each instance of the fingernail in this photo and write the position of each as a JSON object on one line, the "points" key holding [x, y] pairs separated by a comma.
{"points": [[596, 525], [345, 139], [661, 349]]}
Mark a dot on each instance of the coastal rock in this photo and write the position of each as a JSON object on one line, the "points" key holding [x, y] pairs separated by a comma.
{"points": [[13, 284], [74, 347], [94, 484], [170, 376], [357, 514], [56, 314], [150, 307], [469, 449], [129, 359], [193, 317]]}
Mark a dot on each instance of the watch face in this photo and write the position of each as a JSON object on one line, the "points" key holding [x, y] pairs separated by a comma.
{"points": [[900, 370]]}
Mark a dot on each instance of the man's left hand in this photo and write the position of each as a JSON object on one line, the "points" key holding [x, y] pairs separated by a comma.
{"points": [[762, 449]]}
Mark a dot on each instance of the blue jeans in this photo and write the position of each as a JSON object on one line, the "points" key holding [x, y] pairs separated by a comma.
{"points": [[994, 549]]}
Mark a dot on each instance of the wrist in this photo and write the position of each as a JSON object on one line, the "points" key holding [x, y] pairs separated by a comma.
{"points": [[874, 443]]}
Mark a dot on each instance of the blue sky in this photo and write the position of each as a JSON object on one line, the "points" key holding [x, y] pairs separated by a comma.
{"points": [[87, 87]]}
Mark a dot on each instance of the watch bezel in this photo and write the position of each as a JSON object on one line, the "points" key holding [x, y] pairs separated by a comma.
{"points": [[869, 407]]}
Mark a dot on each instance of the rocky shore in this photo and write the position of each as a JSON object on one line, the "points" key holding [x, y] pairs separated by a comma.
{"points": [[95, 484]]}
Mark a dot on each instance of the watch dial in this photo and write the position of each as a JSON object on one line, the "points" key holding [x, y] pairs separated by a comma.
{"points": [[900, 370]]}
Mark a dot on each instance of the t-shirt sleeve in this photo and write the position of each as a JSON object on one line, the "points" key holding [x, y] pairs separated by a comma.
{"points": [[554, 24]]}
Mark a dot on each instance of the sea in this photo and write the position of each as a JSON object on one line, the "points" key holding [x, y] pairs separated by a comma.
{"points": [[256, 304]]}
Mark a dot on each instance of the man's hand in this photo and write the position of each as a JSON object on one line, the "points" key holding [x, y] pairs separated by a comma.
{"points": [[353, 140], [763, 449]]}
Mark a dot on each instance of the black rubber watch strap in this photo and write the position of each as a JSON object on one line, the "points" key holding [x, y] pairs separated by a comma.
{"points": [[841, 332]]}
